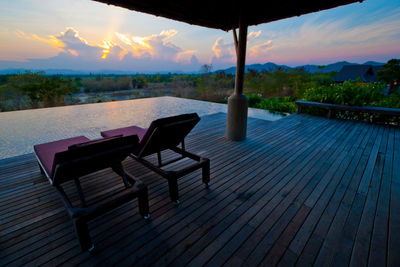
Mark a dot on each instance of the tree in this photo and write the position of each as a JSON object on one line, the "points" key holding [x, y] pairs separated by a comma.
{"points": [[206, 68], [41, 88], [391, 73]]}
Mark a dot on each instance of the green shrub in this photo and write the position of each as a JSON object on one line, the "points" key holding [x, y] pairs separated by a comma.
{"points": [[281, 83], [349, 93], [254, 100], [352, 93], [392, 101], [281, 104]]}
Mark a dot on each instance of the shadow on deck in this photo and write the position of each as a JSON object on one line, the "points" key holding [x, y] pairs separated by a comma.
{"points": [[302, 190]]}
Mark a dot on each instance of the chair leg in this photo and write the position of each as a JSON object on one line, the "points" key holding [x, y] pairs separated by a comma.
{"points": [[82, 230], [206, 173], [143, 199], [173, 190], [41, 169]]}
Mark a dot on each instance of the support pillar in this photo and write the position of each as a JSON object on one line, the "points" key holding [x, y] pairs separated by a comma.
{"points": [[236, 125]]}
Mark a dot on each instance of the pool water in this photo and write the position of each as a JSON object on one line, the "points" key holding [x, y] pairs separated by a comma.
{"points": [[20, 130]]}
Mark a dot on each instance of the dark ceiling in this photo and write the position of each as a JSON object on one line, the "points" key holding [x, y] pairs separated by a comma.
{"points": [[223, 14]]}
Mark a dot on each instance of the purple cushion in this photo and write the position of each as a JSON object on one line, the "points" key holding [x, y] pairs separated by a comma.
{"points": [[92, 142], [126, 131], [46, 152]]}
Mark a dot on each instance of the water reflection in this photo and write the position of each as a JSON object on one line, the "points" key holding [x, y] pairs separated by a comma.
{"points": [[20, 130]]}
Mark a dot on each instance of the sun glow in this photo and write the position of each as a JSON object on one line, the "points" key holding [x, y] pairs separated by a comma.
{"points": [[107, 45], [148, 45], [142, 42], [137, 43], [123, 38]]}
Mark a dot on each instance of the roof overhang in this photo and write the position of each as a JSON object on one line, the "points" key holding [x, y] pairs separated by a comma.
{"points": [[225, 14]]}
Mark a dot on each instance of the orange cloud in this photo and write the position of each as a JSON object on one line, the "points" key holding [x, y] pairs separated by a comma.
{"points": [[107, 45], [52, 40], [253, 35], [73, 52], [223, 50], [143, 44], [69, 41], [124, 47], [260, 50], [154, 46], [185, 56], [139, 44], [70, 35], [124, 38]]}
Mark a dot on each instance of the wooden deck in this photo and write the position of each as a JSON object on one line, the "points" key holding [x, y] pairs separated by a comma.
{"points": [[302, 190]]}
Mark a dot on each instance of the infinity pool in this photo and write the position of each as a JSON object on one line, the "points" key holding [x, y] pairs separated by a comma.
{"points": [[20, 130]]}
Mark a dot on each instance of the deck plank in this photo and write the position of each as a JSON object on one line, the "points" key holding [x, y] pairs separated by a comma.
{"points": [[344, 250], [301, 190], [257, 197], [394, 216], [297, 232], [334, 233], [226, 181], [158, 214], [283, 201], [377, 255], [344, 173], [363, 238]]}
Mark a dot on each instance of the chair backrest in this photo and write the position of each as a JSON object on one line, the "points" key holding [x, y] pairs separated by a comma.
{"points": [[166, 133], [88, 157]]}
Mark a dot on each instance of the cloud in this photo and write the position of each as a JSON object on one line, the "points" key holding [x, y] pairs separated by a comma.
{"points": [[125, 53], [157, 47], [316, 38], [223, 52], [253, 35], [319, 39], [74, 44], [154, 46], [259, 50], [71, 38], [112, 51], [52, 40], [70, 42], [186, 56], [194, 60], [327, 40]]}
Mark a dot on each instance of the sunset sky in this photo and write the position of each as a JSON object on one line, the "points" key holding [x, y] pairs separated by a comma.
{"points": [[87, 35]]}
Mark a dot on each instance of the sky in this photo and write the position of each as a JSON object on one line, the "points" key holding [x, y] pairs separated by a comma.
{"points": [[92, 36]]}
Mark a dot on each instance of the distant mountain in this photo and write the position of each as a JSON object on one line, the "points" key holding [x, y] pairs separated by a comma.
{"points": [[48, 72], [270, 67], [80, 72], [257, 67], [373, 63], [328, 68], [11, 71]]}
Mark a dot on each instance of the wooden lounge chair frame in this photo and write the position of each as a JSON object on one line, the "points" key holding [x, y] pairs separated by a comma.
{"points": [[176, 128], [89, 163], [173, 176]]}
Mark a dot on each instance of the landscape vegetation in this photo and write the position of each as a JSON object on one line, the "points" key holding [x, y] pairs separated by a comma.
{"points": [[275, 90]]}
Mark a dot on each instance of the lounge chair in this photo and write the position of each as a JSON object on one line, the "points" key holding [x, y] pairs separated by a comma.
{"points": [[69, 159], [163, 134]]}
